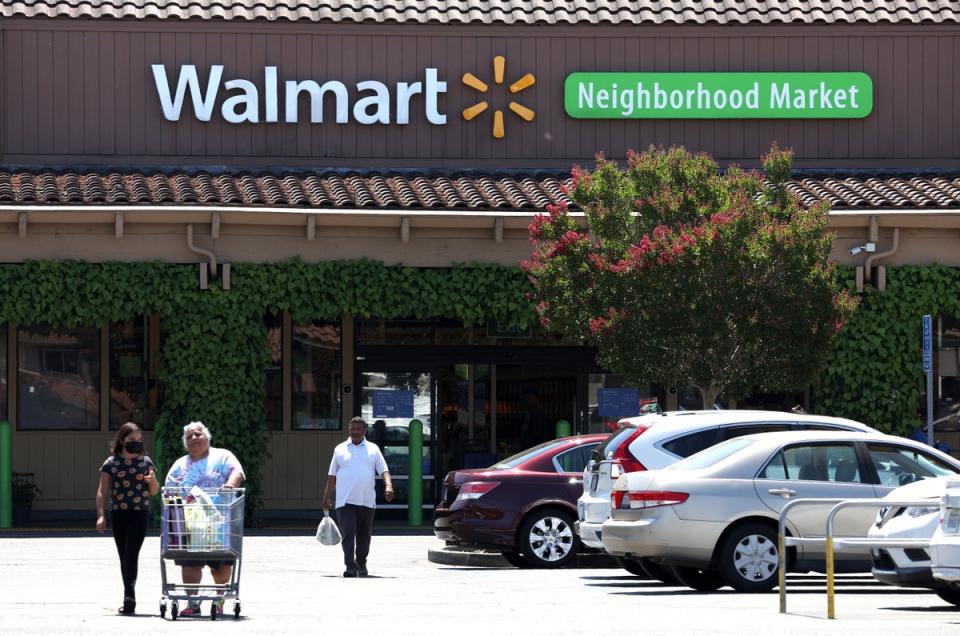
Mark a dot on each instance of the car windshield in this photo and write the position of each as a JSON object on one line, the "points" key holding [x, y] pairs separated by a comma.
{"points": [[515, 460], [712, 455]]}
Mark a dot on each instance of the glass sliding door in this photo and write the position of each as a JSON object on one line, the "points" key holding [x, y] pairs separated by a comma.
{"points": [[388, 401]]}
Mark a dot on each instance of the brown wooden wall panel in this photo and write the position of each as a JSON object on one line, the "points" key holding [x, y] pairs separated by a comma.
{"points": [[80, 92]]}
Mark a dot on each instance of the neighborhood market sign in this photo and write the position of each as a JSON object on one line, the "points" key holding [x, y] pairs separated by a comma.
{"points": [[718, 95]]}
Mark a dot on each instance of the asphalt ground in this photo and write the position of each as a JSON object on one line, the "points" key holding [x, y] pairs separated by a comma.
{"points": [[291, 584]]}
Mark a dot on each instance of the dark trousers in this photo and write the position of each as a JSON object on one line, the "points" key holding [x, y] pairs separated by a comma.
{"points": [[129, 529], [356, 526]]}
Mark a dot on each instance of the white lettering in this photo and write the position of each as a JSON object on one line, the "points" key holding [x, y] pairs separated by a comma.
{"points": [[202, 105], [380, 100], [316, 92], [780, 99], [585, 96], [753, 96], [434, 88], [853, 96], [603, 99], [270, 93], [840, 98], [249, 98]]}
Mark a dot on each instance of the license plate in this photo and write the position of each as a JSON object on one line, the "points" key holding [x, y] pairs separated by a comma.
{"points": [[952, 524]]}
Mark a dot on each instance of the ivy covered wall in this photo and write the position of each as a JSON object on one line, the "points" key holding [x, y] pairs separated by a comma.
{"points": [[875, 373], [214, 354]]}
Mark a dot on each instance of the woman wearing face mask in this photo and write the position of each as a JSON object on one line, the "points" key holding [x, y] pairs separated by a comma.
{"points": [[127, 480]]}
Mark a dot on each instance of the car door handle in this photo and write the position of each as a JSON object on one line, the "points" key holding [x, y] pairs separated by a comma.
{"points": [[574, 480], [783, 492]]}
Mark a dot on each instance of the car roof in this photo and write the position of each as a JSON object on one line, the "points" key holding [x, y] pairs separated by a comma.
{"points": [[787, 437], [698, 419]]}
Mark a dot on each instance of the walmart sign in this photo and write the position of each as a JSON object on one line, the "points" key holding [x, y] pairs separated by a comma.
{"points": [[718, 95]]}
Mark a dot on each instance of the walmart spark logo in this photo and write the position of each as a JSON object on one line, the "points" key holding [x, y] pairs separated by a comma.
{"points": [[499, 66]]}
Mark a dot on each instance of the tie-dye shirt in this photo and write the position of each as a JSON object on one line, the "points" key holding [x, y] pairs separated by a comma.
{"points": [[212, 471]]}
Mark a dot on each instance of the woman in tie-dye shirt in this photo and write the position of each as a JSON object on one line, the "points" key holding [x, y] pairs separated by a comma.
{"points": [[206, 467]]}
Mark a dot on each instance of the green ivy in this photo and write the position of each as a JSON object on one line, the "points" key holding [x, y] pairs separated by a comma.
{"points": [[875, 373], [214, 353]]}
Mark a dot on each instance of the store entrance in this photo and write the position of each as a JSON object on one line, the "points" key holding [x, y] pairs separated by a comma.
{"points": [[491, 411]]}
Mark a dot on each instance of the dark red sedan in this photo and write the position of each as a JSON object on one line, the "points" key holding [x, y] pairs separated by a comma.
{"points": [[524, 505]]}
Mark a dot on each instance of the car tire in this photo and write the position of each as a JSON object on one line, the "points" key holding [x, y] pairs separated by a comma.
{"points": [[749, 559], [634, 567], [516, 560], [658, 572], [697, 579], [948, 594], [547, 539]]}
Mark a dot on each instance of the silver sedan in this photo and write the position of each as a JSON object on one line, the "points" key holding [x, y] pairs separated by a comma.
{"points": [[712, 518]]}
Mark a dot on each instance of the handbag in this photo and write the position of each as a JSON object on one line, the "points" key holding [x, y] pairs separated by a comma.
{"points": [[327, 532]]}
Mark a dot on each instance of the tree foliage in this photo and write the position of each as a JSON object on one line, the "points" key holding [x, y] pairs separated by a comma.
{"points": [[681, 274]]}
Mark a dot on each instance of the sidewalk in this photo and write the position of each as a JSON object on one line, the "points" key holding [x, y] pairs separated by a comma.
{"points": [[280, 528]]}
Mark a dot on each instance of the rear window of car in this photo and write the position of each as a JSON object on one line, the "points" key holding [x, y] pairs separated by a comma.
{"points": [[574, 460], [712, 455], [515, 460], [692, 443], [609, 446]]}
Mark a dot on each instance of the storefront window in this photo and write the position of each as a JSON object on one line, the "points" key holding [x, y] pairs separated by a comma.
{"points": [[130, 395], [274, 371], [3, 372], [316, 376], [58, 379], [947, 407]]}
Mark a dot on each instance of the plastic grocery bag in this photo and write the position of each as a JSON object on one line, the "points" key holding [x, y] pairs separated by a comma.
{"points": [[327, 532], [203, 522]]}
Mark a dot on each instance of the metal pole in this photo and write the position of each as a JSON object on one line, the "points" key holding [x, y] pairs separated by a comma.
{"points": [[6, 468], [415, 474], [930, 440], [830, 608]]}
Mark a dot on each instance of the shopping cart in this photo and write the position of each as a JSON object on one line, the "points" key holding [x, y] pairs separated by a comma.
{"points": [[201, 524]]}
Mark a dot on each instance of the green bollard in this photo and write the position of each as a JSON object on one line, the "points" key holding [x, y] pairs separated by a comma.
{"points": [[415, 474], [563, 428], [6, 475]]}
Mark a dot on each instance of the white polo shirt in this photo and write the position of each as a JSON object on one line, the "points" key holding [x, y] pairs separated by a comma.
{"points": [[356, 466]]}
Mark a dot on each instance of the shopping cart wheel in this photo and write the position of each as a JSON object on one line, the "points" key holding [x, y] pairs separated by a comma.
{"points": [[174, 610], [236, 611], [163, 609]]}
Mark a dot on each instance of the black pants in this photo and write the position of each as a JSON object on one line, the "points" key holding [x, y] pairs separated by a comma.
{"points": [[356, 526], [129, 529]]}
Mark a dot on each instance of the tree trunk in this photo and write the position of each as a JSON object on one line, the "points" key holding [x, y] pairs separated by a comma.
{"points": [[709, 395]]}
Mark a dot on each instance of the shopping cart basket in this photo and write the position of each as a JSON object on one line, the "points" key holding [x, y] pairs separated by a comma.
{"points": [[201, 525]]}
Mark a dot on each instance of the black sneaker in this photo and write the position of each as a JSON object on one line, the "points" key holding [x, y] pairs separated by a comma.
{"points": [[349, 573], [362, 571]]}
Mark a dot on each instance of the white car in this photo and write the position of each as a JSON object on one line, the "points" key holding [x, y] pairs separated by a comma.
{"points": [[945, 544], [657, 440], [910, 567]]}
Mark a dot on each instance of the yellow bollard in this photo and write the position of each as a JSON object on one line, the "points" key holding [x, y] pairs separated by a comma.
{"points": [[830, 608], [782, 574]]}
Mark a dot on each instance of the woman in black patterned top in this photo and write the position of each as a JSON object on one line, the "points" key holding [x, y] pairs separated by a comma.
{"points": [[127, 480]]}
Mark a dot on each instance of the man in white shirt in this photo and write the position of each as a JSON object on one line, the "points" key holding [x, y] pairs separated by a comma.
{"points": [[353, 471]]}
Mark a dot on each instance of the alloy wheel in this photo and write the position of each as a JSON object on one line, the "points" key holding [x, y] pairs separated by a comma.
{"points": [[550, 539]]}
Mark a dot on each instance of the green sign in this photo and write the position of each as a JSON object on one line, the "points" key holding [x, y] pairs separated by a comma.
{"points": [[718, 95]]}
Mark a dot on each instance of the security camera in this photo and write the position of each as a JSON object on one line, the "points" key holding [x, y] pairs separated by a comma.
{"points": [[855, 250]]}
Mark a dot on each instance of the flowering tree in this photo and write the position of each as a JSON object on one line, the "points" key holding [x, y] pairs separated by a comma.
{"points": [[682, 275]]}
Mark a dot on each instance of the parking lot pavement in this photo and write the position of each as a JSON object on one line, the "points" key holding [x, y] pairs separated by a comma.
{"points": [[291, 584]]}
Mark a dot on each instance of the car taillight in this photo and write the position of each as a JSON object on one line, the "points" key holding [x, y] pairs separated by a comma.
{"points": [[655, 498], [622, 455], [476, 489], [616, 498]]}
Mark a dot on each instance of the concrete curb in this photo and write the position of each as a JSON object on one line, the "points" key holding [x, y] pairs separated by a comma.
{"points": [[459, 557]]}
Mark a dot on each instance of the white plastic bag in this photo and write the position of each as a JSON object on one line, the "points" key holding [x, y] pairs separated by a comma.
{"points": [[327, 532]]}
